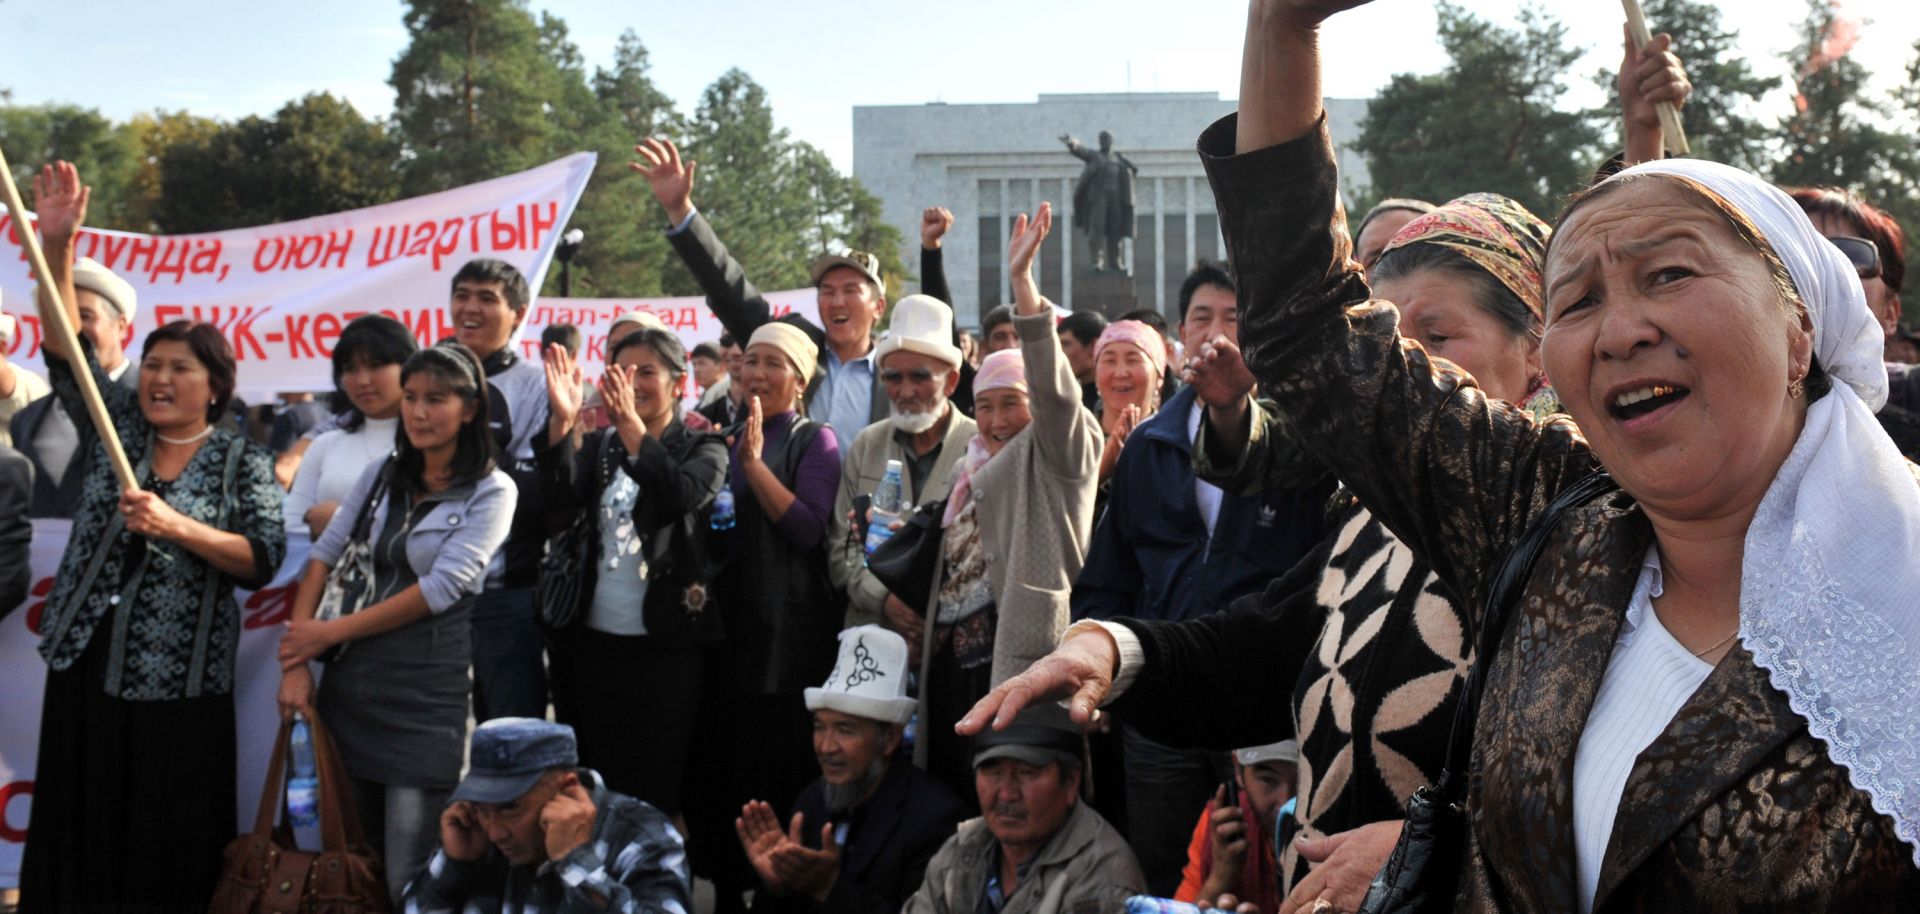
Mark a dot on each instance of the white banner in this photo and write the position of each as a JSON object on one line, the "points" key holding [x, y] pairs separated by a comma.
{"points": [[256, 686], [283, 292]]}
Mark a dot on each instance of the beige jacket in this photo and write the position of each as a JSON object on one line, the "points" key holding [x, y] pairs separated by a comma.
{"points": [[861, 466], [1086, 869], [1035, 506]]}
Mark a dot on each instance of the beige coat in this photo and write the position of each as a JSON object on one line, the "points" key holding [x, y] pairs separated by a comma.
{"points": [[861, 466], [1035, 507], [1086, 868]]}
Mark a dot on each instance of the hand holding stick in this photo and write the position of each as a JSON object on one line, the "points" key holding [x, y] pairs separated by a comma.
{"points": [[55, 315], [1676, 135]]}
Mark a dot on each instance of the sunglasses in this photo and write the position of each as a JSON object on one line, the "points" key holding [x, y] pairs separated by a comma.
{"points": [[1863, 254], [917, 376]]}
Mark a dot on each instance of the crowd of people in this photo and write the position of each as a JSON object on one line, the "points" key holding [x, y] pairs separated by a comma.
{"points": [[1043, 617]]}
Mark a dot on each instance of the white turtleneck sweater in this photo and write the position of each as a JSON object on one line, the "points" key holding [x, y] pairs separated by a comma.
{"points": [[333, 463]]}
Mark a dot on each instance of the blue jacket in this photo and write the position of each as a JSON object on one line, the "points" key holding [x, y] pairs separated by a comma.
{"points": [[1151, 557]]}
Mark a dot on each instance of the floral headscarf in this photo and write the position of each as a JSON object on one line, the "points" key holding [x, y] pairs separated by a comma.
{"points": [[1496, 233]]}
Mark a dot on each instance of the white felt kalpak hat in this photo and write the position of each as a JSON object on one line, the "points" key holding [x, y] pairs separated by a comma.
{"points": [[869, 679], [922, 324], [93, 276]]}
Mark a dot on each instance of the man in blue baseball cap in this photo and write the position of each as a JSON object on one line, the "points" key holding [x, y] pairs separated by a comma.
{"points": [[531, 831]]}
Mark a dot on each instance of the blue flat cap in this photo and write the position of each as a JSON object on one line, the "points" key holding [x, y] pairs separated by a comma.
{"points": [[510, 754]]}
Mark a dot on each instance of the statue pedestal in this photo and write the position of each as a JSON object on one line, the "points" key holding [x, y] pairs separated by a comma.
{"points": [[1111, 294]]}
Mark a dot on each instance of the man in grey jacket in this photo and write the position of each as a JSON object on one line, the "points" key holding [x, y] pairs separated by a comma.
{"points": [[1036, 849]]}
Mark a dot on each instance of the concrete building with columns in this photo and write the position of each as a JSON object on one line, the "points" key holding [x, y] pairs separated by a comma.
{"points": [[990, 162]]}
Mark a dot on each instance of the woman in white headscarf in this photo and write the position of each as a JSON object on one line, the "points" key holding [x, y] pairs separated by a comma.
{"points": [[1708, 695]]}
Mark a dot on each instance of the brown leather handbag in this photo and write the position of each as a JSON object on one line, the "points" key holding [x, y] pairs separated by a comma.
{"points": [[267, 873]]}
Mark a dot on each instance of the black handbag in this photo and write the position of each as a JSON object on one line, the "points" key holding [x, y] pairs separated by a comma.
{"points": [[906, 561], [562, 576], [350, 583], [1422, 875]]}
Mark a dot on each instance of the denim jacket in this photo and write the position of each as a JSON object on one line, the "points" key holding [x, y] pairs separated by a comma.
{"points": [[174, 625]]}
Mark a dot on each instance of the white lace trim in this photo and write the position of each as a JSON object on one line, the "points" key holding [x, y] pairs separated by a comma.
{"points": [[1850, 671]]}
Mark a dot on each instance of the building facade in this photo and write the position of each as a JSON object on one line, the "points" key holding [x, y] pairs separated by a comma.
{"points": [[988, 163]]}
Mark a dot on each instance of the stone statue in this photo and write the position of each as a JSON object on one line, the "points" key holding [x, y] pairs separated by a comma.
{"points": [[1103, 201]]}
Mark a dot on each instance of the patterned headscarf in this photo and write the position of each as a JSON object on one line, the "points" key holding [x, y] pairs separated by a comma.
{"points": [[1494, 232]]}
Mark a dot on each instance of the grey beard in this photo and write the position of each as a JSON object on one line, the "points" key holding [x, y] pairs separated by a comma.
{"points": [[843, 798], [917, 423]]}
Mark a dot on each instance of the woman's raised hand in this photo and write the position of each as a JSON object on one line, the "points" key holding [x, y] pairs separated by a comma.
{"points": [[1649, 76], [671, 180], [60, 202], [566, 391], [616, 391], [1024, 244]]}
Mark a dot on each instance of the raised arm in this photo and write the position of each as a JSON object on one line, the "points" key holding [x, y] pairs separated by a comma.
{"points": [[61, 203], [732, 297], [1069, 438], [1454, 475], [1076, 147], [1649, 76], [935, 221]]}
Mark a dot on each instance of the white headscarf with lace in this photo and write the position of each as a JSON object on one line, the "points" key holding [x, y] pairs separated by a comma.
{"points": [[1830, 581]]}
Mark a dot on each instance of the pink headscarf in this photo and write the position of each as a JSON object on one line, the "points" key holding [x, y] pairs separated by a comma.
{"points": [[1140, 335], [1003, 370]]}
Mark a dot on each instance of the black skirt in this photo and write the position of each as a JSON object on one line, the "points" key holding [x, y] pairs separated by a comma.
{"points": [[133, 800], [634, 705]]}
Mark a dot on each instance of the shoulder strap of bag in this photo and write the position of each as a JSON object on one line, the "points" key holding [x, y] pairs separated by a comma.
{"points": [[363, 521], [1508, 583]]}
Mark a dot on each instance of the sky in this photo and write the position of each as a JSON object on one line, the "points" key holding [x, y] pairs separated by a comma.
{"points": [[817, 58]]}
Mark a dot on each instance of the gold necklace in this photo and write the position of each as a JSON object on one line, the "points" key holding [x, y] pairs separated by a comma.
{"points": [[1718, 644]]}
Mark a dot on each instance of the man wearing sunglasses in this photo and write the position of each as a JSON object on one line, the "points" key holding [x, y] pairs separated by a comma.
{"points": [[919, 369]]}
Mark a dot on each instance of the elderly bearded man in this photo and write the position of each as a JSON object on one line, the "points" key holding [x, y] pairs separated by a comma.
{"points": [[861, 836], [920, 369]]}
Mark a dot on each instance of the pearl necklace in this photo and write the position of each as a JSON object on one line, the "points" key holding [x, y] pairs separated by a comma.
{"points": [[187, 440]]}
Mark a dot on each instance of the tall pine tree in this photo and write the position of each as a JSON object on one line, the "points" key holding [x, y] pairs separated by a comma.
{"points": [[1488, 121]]}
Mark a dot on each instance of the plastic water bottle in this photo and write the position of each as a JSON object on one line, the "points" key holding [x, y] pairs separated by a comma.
{"points": [[303, 789], [722, 517], [887, 499]]}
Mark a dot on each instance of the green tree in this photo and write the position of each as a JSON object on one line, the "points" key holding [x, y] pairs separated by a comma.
{"points": [[643, 108], [748, 184], [1489, 121], [153, 133], [1717, 117], [475, 93], [34, 135], [315, 156]]}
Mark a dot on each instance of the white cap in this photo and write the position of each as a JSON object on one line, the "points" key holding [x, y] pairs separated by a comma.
{"points": [[1284, 751], [869, 679], [91, 275], [922, 324]]}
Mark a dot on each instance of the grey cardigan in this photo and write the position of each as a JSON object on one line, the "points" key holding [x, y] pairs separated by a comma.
{"points": [[448, 548], [1034, 504], [861, 467]]}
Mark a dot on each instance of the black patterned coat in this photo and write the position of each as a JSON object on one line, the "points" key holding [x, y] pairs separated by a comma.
{"points": [[1735, 806]]}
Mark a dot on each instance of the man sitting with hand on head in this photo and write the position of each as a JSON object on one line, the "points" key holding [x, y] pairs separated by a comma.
{"points": [[529, 831], [861, 836], [1036, 849]]}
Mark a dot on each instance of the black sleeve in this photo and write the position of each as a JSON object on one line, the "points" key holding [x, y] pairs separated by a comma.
{"points": [[1226, 680], [16, 531], [732, 297], [933, 281], [670, 486], [566, 471]]}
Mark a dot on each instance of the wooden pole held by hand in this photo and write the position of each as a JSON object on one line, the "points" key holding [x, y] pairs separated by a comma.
{"points": [[1675, 134], [57, 326]]}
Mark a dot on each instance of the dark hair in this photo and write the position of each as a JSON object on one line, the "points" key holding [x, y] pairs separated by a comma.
{"points": [[664, 344], [706, 351], [1150, 317], [1489, 292], [513, 285], [209, 347], [456, 367], [994, 318], [376, 339], [1086, 326], [1869, 221], [1204, 273], [728, 342], [567, 335]]}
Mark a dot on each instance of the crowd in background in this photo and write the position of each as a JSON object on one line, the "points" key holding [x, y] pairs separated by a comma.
{"points": [[800, 605]]}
